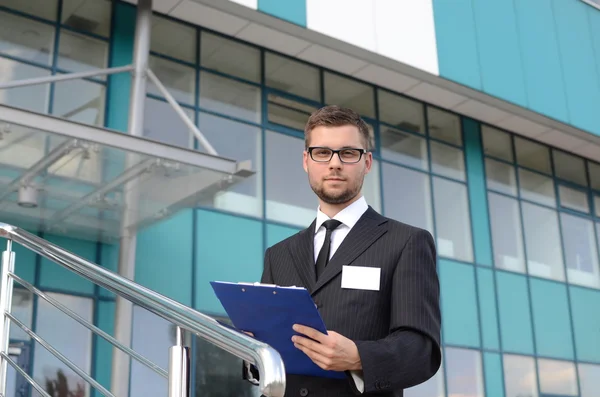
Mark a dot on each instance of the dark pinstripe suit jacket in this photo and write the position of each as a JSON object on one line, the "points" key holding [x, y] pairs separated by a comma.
{"points": [[396, 329]]}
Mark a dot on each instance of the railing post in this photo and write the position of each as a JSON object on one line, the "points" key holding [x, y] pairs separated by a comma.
{"points": [[6, 292], [179, 368]]}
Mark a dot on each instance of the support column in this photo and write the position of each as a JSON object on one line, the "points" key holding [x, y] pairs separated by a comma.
{"points": [[121, 364]]}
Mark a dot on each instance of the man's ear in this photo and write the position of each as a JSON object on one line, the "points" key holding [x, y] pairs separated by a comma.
{"points": [[305, 161], [368, 162]]}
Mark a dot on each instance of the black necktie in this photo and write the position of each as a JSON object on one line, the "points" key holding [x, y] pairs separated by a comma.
{"points": [[323, 257]]}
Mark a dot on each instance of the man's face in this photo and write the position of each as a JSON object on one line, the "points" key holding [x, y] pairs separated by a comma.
{"points": [[334, 181]]}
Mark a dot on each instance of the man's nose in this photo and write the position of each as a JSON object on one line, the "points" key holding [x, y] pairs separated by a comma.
{"points": [[335, 161]]}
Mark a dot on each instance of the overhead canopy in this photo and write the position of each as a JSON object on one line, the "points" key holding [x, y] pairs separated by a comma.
{"points": [[71, 179]]}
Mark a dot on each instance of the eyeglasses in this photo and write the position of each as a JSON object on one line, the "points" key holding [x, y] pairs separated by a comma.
{"points": [[346, 155]]}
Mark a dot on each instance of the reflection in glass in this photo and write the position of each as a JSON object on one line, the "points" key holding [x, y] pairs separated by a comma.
{"points": [[289, 196], [80, 100], [229, 97], [47, 9], [594, 170], [500, 177], [573, 199], [72, 339], [597, 205], [88, 16], [444, 126], [447, 161], [580, 250], [589, 380], [165, 32], [452, 219], [520, 378], [230, 57], [532, 155], [496, 143], [557, 377], [401, 112], [288, 112], [180, 80], [569, 167], [34, 97], [161, 123], [463, 369], [22, 309], [288, 75], [542, 242], [26, 39], [407, 196], [507, 239], [349, 93], [434, 387], [79, 53], [536, 187], [246, 196], [403, 147]]}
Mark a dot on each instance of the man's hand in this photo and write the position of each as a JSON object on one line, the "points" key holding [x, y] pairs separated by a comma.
{"points": [[332, 352]]}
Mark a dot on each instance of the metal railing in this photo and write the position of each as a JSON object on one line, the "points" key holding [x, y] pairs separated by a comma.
{"points": [[265, 358]]}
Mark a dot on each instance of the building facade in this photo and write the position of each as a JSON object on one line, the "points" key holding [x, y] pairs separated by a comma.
{"points": [[487, 133]]}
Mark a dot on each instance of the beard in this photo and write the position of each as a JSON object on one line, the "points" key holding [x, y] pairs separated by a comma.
{"points": [[337, 196]]}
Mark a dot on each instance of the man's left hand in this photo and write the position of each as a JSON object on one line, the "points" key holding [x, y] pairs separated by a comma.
{"points": [[332, 352]]}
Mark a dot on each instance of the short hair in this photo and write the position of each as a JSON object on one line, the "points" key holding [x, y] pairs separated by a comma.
{"points": [[337, 116]]}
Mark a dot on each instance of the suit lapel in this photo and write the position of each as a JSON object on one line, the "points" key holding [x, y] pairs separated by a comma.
{"points": [[303, 256], [370, 227]]}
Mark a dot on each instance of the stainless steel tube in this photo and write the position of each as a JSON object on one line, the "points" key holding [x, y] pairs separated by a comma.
{"points": [[6, 292], [179, 368]]}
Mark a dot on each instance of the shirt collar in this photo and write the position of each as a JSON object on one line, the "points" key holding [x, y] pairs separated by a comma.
{"points": [[348, 216]]}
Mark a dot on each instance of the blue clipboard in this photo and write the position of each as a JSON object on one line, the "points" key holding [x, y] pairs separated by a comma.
{"points": [[269, 312]]}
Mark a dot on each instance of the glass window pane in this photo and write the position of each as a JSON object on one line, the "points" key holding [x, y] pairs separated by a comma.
{"points": [[179, 79], [291, 202], [246, 196], [26, 39], [47, 9], [434, 387], [447, 161], [230, 57], [229, 97], [589, 379], [542, 242], [22, 309], [403, 147], [507, 236], [291, 76], [415, 190], [72, 339], [444, 126], [80, 100], [536, 187], [496, 143], [34, 97], [452, 219], [501, 177], [372, 187], [400, 112], [463, 369], [597, 205], [349, 93], [580, 250], [569, 168], [520, 378], [573, 199], [79, 53], [532, 155], [165, 32], [557, 377], [161, 123], [288, 112], [88, 16], [594, 170]]}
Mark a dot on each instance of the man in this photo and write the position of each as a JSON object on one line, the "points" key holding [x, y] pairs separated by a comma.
{"points": [[373, 279]]}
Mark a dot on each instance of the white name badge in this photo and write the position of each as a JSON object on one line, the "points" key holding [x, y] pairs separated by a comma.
{"points": [[360, 277]]}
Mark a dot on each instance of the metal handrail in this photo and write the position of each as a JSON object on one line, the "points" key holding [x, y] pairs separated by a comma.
{"points": [[264, 357]]}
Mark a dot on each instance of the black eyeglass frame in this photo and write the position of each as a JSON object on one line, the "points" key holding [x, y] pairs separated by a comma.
{"points": [[333, 152]]}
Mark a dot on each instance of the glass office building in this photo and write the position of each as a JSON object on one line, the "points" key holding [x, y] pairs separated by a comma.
{"points": [[487, 131]]}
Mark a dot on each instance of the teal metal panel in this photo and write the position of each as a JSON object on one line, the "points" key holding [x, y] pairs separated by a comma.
{"points": [[515, 320], [291, 10], [459, 304], [164, 257], [586, 323], [277, 233], [487, 309], [551, 319], [229, 248], [103, 357], [477, 192], [494, 380], [24, 262], [541, 59], [499, 51], [57, 277], [579, 64], [458, 56], [594, 17], [109, 259]]}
